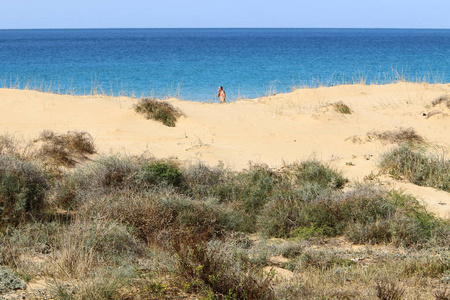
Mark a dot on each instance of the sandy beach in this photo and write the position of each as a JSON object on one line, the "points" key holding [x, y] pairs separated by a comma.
{"points": [[273, 130]]}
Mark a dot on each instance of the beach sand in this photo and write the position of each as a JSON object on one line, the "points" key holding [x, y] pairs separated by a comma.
{"points": [[274, 130]]}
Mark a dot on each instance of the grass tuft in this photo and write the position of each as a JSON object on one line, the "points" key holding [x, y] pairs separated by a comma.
{"points": [[417, 167], [388, 290], [401, 135], [342, 108], [64, 149], [444, 99], [157, 110]]}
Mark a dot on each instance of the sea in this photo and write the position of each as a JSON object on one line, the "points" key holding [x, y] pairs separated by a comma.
{"points": [[191, 63]]}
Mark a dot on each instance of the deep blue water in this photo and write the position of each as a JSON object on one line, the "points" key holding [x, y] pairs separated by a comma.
{"points": [[191, 63]]}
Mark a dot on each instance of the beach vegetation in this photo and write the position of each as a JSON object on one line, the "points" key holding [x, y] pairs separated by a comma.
{"points": [[389, 290], [158, 110], [125, 227], [64, 149], [342, 108], [23, 187], [399, 136], [418, 167], [443, 99]]}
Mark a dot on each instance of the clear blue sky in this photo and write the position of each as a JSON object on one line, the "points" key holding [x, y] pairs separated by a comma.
{"points": [[20, 14]]}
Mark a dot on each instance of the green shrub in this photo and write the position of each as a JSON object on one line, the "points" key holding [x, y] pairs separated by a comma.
{"points": [[364, 215], [305, 233], [288, 211], [158, 173], [313, 171], [416, 167], [160, 111], [22, 190], [9, 282]]}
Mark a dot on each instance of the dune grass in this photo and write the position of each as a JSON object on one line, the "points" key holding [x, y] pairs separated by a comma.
{"points": [[417, 166], [342, 108], [158, 110], [444, 99], [399, 136]]}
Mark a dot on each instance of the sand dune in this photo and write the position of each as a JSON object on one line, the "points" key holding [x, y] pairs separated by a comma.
{"points": [[273, 130]]}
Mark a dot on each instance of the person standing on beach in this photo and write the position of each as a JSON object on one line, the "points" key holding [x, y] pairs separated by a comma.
{"points": [[221, 94]]}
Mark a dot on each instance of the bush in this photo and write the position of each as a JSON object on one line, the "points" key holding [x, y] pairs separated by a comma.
{"points": [[85, 245], [160, 111], [364, 215], [159, 213], [219, 269], [9, 282], [312, 171], [158, 173], [416, 167], [22, 190], [111, 172], [64, 149]]}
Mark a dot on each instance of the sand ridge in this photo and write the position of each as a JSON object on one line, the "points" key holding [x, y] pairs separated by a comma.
{"points": [[273, 130]]}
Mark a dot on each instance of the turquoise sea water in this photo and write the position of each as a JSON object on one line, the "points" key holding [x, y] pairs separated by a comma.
{"points": [[191, 63]]}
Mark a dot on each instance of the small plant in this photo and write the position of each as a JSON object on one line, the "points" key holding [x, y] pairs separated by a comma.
{"points": [[342, 108], [388, 290], [9, 281], [444, 99], [7, 144], [402, 135], [160, 111], [64, 149]]}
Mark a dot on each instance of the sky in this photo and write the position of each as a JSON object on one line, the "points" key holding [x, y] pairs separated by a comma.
{"points": [[33, 14]]}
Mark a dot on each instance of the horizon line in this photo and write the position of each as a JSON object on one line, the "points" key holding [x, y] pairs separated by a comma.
{"points": [[115, 28]]}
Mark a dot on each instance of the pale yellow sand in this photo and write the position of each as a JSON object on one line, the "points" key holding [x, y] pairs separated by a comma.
{"points": [[272, 130]]}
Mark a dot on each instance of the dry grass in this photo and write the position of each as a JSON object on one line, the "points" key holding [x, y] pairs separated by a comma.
{"points": [[158, 110], [401, 135], [64, 149], [444, 99], [418, 167], [342, 108]]}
